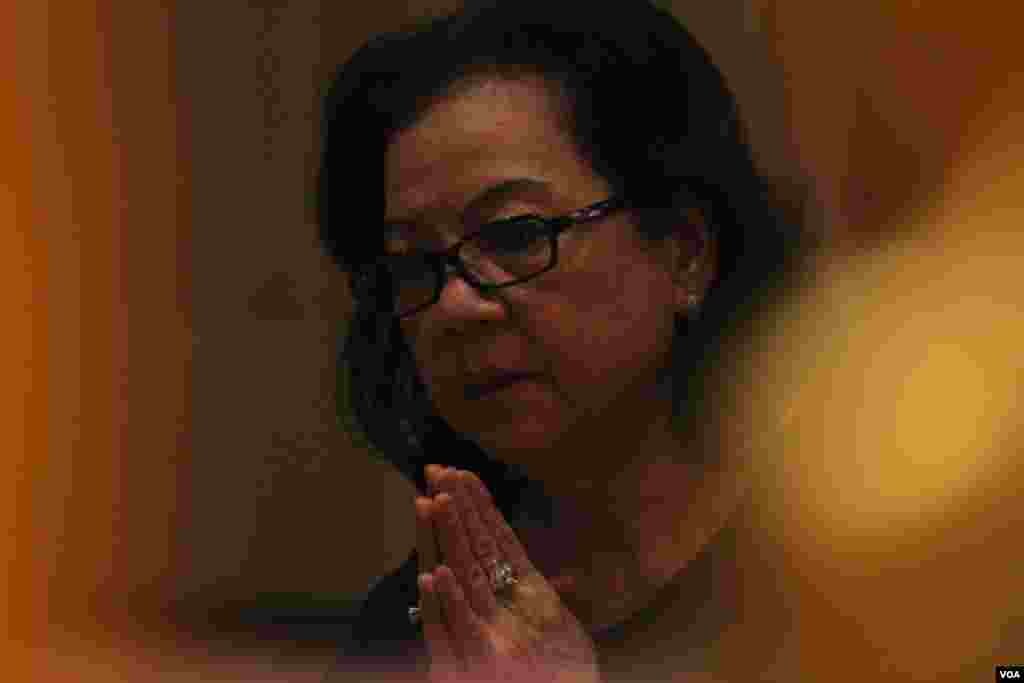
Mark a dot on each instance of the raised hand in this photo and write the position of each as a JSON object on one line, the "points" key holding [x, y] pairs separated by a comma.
{"points": [[488, 614]]}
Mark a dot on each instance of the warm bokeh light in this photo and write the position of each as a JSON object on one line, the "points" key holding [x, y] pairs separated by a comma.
{"points": [[906, 375], [98, 377], [897, 379], [22, 404]]}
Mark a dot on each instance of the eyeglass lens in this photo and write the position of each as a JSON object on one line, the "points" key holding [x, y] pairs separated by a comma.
{"points": [[502, 254]]}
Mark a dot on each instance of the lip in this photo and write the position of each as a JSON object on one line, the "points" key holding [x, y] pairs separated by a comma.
{"points": [[492, 382]]}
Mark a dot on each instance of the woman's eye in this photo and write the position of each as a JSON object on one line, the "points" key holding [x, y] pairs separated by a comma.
{"points": [[518, 234]]}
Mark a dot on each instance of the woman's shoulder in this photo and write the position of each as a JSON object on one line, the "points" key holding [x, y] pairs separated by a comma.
{"points": [[381, 637]]}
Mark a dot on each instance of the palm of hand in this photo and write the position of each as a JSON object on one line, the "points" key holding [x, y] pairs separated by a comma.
{"points": [[524, 635]]}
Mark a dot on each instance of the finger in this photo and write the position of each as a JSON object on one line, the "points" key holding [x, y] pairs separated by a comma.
{"points": [[426, 542], [473, 575], [433, 475], [464, 627], [481, 540], [508, 545], [444, 664], [457, 553]]}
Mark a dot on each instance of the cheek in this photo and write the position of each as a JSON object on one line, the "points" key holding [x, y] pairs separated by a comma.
{"points": [[436, 368], [600, 335], [615, 331], [432, 364]]}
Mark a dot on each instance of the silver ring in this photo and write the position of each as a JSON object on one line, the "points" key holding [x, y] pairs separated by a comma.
{"points": [[502, 576]]}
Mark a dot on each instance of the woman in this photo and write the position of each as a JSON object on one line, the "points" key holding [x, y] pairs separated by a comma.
{"points": [[552, 223]]}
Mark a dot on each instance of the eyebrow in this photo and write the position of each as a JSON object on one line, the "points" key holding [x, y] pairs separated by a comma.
{"points": [[486, 199]]}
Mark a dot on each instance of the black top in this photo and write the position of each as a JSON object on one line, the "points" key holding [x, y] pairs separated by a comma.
{"points": [[381, 637]]}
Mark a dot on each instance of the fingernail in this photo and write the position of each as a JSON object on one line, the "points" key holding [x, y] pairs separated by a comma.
{"points": [[430, 473]]}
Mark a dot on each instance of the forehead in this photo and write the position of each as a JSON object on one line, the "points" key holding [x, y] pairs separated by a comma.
{"points": [[484, 130]]}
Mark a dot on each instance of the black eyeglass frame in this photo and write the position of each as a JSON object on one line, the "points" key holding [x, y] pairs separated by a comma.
{"points": [[449, 258]]}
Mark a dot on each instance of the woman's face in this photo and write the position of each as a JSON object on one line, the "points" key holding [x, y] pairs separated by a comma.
{"points": [[595, 330]]}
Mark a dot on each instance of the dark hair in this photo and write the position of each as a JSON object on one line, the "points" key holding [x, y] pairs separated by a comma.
{"points": [[646, 108]]}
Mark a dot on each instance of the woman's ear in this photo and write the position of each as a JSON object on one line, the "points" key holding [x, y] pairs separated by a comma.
{"points": [[696, 261]]}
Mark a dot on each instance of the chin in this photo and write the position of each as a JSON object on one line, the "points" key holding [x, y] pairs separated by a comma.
{"points": [[520, 443], [529, 426], [528, 435]]}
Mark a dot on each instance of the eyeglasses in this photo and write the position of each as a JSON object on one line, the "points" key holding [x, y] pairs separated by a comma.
{"points": [[500, 254]]}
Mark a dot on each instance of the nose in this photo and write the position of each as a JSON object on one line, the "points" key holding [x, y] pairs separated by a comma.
{"points": [[460, 299]]}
